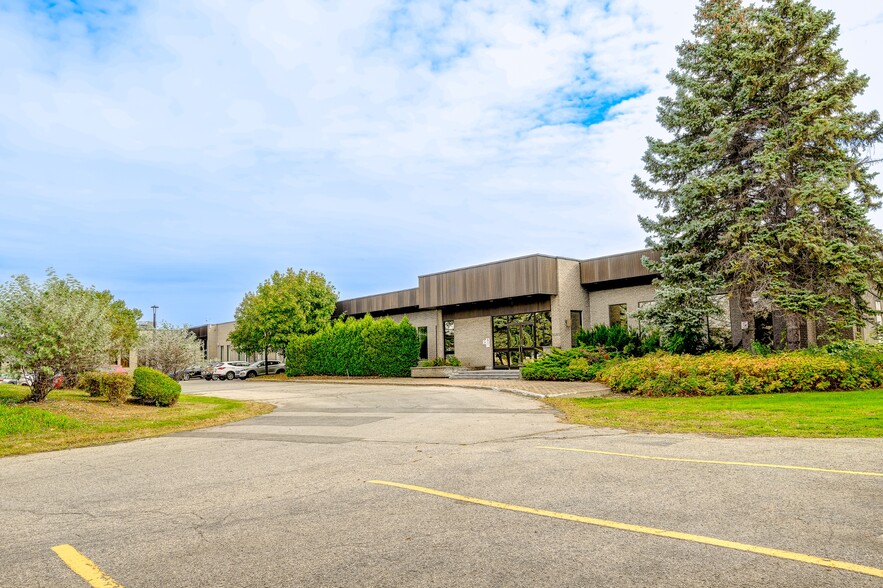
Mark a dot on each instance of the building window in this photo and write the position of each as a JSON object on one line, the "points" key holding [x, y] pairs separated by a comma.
{"points": [[423, 335], [618, 315], [576, 324], [449, 338], [520, 336]]}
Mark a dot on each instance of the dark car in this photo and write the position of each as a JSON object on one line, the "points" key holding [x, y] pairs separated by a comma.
{"points": [[194, 371]]}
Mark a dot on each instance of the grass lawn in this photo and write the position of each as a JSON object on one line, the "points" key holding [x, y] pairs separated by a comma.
{"points": [[810, 414], [70, 418]]}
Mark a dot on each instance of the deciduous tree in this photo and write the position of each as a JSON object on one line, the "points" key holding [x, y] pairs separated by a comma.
{"points": [[58, 326], [283, 306], [169, 349]]}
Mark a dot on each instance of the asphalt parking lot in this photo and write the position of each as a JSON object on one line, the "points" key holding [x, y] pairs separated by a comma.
{"points": [[361, 485]]}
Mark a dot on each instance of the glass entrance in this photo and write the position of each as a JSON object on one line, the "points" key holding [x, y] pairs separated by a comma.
{"points": [[520, 336]]}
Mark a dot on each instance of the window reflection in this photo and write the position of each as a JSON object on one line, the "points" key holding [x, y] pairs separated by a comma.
{"points": [[520, 336]]}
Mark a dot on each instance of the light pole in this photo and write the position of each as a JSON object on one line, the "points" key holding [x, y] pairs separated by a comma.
{"points": [[154, 307]]}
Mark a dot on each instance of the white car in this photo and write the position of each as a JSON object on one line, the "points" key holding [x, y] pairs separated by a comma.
{"points": [[274, 366], [227, 369]]}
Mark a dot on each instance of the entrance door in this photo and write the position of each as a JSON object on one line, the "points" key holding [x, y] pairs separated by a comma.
{"points": [[519, 337]]}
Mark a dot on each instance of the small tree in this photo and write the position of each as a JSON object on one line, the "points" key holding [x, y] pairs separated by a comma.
{"points": [[123, 324], [285, 305], [169, 349], [57, 326]]}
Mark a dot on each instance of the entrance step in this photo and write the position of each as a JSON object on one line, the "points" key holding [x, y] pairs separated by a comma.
{"points": [[487, 375]]}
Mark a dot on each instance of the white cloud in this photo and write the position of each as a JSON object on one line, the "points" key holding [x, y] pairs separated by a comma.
{"points": [[370, 140]]}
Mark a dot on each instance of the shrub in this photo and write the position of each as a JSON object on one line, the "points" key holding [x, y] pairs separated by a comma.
{"points": [[115, 387], [90, 382], [618, 339], [573, 364], [154, 387], [716, 373], [442, 361], [356, 347]]}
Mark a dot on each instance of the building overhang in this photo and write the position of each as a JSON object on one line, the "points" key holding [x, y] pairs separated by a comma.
{"points": [[616, 271]]}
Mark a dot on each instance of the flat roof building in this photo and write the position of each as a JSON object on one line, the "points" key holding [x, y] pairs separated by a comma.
{"points": [[498, 314]]}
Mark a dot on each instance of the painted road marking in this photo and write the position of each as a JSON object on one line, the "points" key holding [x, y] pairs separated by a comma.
{"points": [[84, 567], [735, 463], [810, 559]]}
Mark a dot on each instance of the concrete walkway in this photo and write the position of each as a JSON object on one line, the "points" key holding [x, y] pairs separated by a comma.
{"points": [[530, 388]]}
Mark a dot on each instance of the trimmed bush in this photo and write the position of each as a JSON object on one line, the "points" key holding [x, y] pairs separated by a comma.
{"points": [[113, 386], [117, 387], [363, 347], [578, 364], [90, 382], [442, 362], [154, 387], [852, 368], [618, 339]]}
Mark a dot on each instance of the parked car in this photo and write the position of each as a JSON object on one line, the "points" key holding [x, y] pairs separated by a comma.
{"points": [[274, 366], [28, 380], [194, 371], [227, 369]]}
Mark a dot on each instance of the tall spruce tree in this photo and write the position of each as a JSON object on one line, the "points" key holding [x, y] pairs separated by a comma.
{"points": [[820, 253], [765, 187], [697, 176]]}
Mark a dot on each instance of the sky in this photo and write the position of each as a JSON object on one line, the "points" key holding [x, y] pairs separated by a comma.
{"points": [[177, 153]]}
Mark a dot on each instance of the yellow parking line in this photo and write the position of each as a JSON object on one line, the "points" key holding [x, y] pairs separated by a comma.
{"points": [[84, 567], [735, 463], [810, 559]]}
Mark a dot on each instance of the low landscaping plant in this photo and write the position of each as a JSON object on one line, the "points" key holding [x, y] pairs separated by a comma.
{"points": [[113, 386], [89, 382], [618, 339], [854, 367], [578, 364], [449, 361], [154, 387]]}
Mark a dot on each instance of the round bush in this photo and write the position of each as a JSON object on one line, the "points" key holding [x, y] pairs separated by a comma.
{"points": [[154, 387]]}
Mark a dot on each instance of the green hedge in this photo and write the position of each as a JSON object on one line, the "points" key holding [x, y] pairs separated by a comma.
{"points": [[569, 365], [154, 387], [116, 387], [363, 347], [853, 366]]}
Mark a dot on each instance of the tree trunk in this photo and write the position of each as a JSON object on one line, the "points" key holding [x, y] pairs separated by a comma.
{"points": [[746, 310], [792, 331], [40, 388]]}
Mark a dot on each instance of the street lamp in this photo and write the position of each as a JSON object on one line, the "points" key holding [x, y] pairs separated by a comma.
{"points": [[154, 307]]}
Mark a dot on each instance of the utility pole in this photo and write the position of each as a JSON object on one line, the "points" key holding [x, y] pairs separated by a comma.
{"points": [[154, 307]]}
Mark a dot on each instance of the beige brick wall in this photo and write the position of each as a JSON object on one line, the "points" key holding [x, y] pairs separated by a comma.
{"points": [[600, 301], [571, 296], [431, 319], [469, 336]]}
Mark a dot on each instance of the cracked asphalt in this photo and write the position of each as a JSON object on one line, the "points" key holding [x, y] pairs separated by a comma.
{"points": [[285, 499]]}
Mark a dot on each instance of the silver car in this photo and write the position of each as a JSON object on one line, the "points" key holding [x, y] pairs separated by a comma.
{"points": [[274, 366]]}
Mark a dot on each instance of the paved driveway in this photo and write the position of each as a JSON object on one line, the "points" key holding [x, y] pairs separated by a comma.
{"points": [[490, 493]]}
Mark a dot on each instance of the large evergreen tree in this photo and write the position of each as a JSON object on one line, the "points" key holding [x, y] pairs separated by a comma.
{"points": [[698, 175], [764, 188]]}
